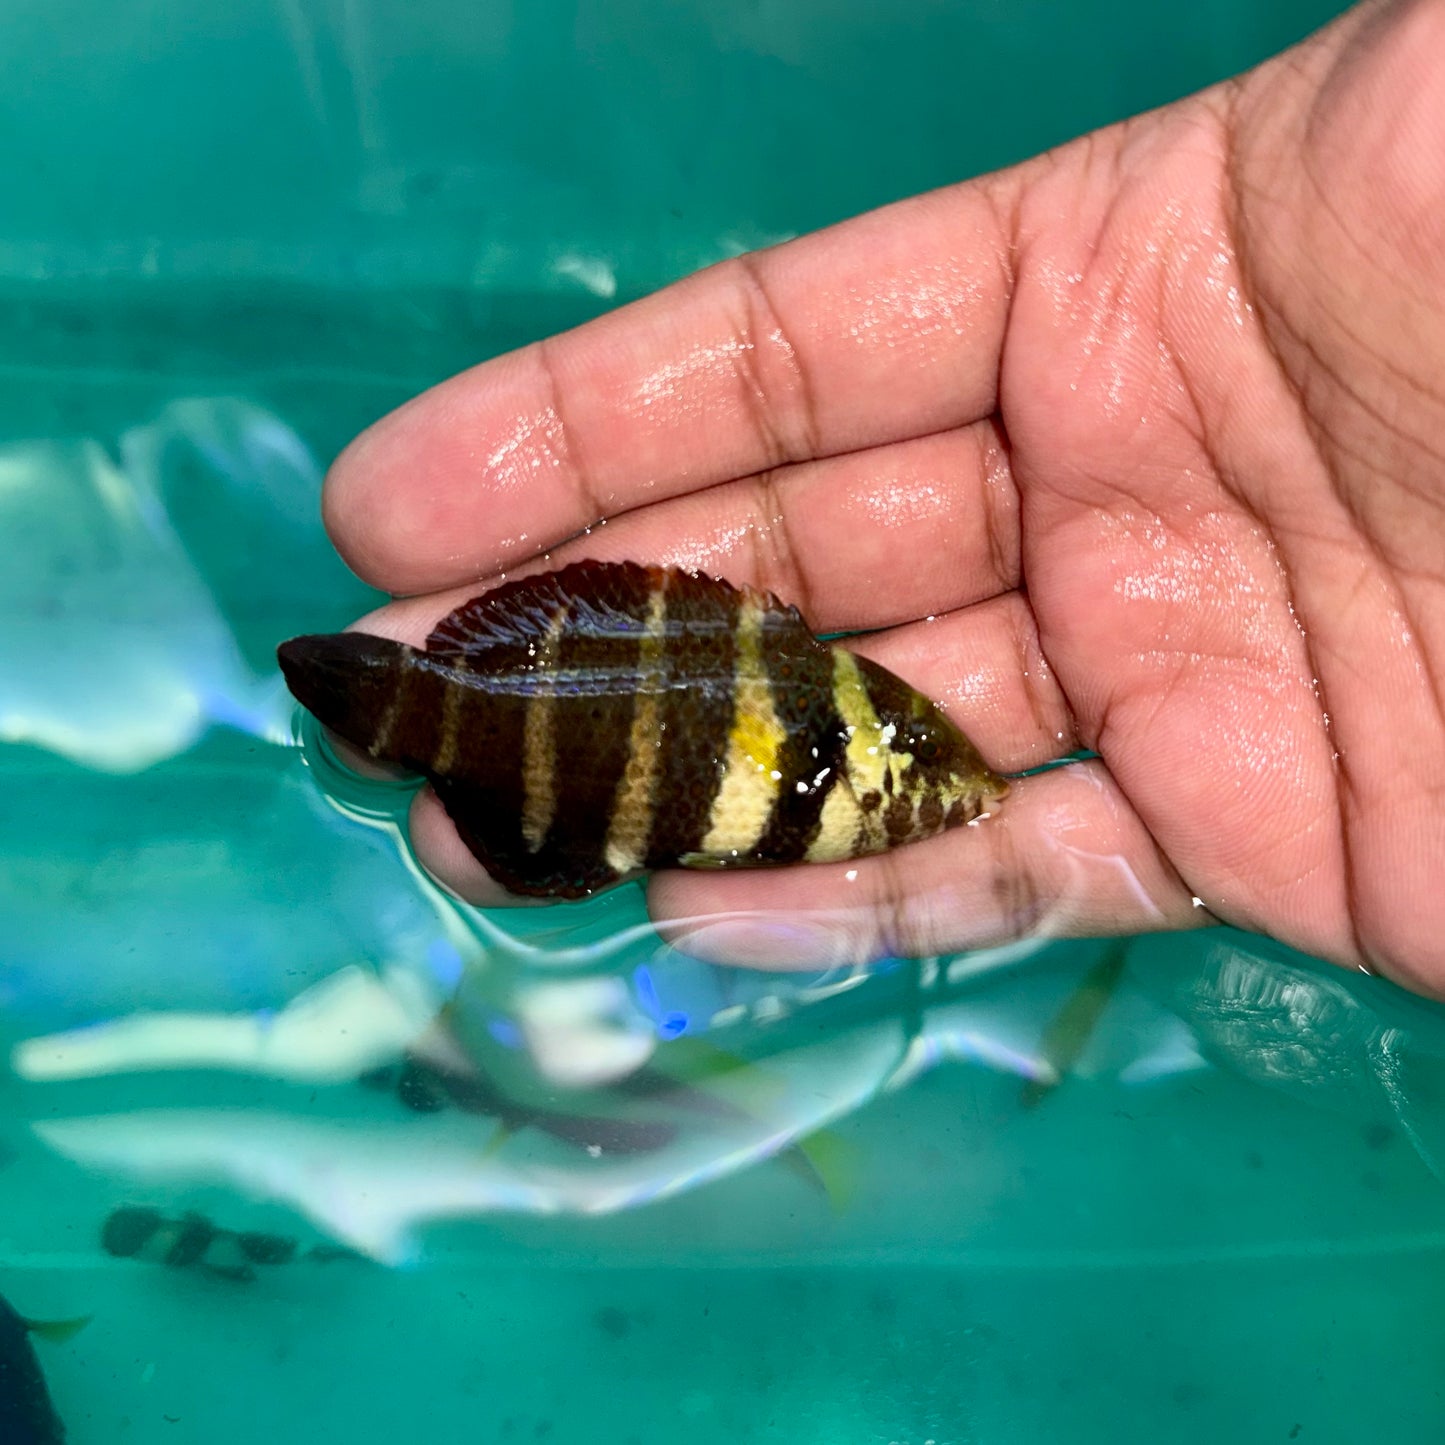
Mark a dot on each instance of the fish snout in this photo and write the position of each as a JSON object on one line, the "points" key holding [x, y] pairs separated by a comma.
{"points": [[344, 679]]}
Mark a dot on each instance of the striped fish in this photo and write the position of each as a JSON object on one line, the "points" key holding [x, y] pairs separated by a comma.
{"points": [[582, 725]]}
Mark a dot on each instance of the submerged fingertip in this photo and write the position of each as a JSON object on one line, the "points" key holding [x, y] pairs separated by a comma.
{"points": [[355, 760], [692, 919], [447, 861], [779, 944]]}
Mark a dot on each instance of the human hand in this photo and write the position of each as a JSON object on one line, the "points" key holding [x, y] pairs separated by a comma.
{"points": [[1136, 447]]}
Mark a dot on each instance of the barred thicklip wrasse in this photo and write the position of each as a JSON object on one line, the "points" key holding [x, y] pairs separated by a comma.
{"points": [[583, 725], [191, 1241], [138, 1232]]}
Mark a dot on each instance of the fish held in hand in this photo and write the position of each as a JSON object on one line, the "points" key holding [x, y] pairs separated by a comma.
{"points": [[583, 725]]}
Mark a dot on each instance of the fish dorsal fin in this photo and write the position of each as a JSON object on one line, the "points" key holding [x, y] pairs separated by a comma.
{"points": [[610, 596], [591, 598]]}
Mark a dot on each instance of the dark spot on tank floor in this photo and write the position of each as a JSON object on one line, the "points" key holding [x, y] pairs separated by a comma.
{"points": [[882, 1303], [613, 1322], [1378, 1135]]}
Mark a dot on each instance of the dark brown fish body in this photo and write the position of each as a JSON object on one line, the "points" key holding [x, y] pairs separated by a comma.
{"points": [[191, 1241], [585, 724]]}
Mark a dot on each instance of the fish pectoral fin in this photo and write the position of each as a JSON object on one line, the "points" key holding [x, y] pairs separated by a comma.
{"points": [[711, 862], [58, 1331]]}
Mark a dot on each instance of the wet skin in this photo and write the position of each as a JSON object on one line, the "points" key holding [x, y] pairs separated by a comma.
{"points": [[1135, 447]]}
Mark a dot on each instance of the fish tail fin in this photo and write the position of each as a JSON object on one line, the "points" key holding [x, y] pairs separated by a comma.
{"points": [[504, 1131], [58, 1331], [828, 1162], [1068, 1033]]}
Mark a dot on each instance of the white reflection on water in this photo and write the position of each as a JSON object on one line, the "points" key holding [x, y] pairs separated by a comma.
{"points": [[330, 1032], [497, 1126], [1355, 1046], [371, 1183], [653, 1123], [115, 648], [552, 1094], [110, 644]]}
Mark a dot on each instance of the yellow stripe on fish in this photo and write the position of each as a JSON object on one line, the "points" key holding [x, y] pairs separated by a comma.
{"points": [[539, 738], [632, 812], [750, 778]]}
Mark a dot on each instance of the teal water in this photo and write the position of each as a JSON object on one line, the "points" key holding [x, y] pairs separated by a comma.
{"points": [[839, 1211]]}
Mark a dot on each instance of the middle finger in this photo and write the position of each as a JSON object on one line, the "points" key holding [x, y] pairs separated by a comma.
{"points": [[857, 542]]}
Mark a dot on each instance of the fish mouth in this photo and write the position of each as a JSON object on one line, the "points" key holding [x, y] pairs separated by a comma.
{"points": [[320, 671]]}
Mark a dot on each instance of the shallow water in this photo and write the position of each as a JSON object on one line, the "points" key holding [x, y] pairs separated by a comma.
{"points": [[1229, 1210], [829, 1209]]}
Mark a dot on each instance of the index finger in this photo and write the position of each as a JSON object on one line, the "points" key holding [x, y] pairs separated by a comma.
{"points": [[880, 329]]}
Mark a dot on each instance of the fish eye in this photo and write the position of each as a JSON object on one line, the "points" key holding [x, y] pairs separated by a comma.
{"points": [[923, 744]]}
